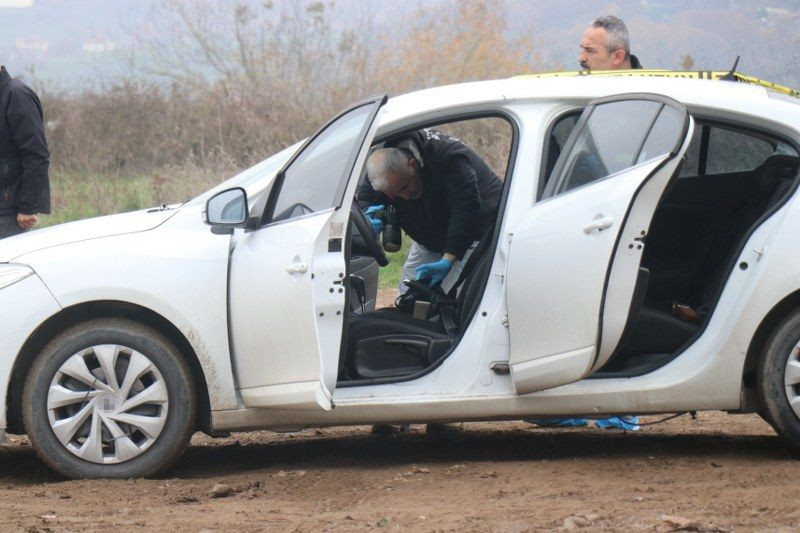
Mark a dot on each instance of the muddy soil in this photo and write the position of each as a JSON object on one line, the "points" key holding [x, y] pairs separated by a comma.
{"points": [[719, 472]]}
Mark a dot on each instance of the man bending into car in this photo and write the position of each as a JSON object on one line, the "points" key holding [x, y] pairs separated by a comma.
{"points": [[445, 198]]}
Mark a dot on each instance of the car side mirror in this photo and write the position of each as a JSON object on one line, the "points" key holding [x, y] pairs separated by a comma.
{"points": [[227, 209]]}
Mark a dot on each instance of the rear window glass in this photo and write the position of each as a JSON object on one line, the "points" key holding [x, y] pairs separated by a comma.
{"points": [[735, 151], [729, 150]]}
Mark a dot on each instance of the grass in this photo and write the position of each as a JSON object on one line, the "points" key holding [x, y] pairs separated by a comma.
{"points": [[392, 273], [77, 195]]}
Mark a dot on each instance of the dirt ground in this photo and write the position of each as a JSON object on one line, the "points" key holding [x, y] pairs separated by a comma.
{"points": [[719, 472]]}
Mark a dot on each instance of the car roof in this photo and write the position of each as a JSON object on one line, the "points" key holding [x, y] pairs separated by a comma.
{"points": [[717, 95], [683, 74]]}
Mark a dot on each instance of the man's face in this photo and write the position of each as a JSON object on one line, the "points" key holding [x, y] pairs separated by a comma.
{"points": [[406, 185], [594, 54]]}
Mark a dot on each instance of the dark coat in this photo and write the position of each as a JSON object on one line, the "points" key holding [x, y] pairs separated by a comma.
{"points": [[24, 156], [460, 195]]}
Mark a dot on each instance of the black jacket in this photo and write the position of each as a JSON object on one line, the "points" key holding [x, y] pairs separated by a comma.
{"points": [[460, 195], [24, 156]]}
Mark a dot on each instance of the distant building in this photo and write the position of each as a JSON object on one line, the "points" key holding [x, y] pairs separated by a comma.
{"points": [[16, 3], [98, 46], [781, 12], [33, 46]]}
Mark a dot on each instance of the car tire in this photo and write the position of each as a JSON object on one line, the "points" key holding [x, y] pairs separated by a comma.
{"points": [[779, 380], [139, 421]]}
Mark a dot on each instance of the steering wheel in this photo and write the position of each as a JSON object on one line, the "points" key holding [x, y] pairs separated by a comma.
{"points": [[365, 229]]}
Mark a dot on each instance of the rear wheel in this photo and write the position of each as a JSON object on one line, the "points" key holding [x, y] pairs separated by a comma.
{"points": [[109, 398], [779, 380]]}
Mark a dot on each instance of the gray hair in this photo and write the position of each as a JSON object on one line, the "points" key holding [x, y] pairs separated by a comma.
{"points": [[384, 161], [617, 37]]}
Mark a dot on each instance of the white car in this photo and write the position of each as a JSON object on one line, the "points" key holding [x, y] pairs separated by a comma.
{"points": [[644, 260]]}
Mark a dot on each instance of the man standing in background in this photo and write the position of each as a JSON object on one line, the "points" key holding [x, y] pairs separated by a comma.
{"points": [[607, 46], [24, 157]]}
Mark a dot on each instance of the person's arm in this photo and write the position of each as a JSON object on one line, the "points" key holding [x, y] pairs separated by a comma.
{"points": [[465, 207], [26, 126]]}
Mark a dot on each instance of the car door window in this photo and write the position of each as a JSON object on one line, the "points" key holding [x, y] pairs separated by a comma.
{"points": [[608, 142], [661, 139], [314, 181]]}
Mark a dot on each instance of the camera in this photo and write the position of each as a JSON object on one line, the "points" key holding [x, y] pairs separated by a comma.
{"points": [[392, 237]]}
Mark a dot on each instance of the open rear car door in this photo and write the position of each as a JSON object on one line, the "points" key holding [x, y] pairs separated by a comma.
{"points": [[575, 259]]}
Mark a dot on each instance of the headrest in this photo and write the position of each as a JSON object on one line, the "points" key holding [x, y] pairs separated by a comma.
{"points": [[777, 167]]}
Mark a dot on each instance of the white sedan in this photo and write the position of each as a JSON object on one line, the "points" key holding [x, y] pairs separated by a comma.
{"points": [[643, 260]]}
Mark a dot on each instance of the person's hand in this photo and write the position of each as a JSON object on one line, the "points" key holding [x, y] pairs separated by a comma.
{"points": [[26, 221], [434, 272], [376, 222]]}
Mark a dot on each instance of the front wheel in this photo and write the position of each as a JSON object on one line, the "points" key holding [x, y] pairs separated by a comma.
{"points": [[109, 398], [779, 380]]}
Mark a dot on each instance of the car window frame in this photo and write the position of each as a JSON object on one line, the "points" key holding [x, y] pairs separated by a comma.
{"points": [[544, 176], [266, 217], [425, 120]]}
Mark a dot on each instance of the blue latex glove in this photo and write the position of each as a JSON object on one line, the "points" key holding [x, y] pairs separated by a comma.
{"points": [[377, 223], [628, 423], [435, 272]]}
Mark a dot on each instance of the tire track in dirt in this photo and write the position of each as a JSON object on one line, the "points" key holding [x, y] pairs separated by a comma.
{"points": [[717, 471]]}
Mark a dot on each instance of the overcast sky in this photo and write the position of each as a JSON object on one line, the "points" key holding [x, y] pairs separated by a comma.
{"points": [[72, 43]]}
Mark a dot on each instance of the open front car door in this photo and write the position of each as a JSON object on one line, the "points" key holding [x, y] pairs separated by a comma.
{"points": [[286, 289], [574, 261]]}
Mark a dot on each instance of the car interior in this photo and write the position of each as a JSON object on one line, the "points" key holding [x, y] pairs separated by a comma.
{"points": [[731, 179], [393, 343]]}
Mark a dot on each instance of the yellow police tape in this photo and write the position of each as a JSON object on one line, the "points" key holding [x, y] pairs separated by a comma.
{"points": [[657, 73]]}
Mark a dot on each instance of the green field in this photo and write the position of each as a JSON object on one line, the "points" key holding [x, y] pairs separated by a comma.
{"points": [[390, 274]]}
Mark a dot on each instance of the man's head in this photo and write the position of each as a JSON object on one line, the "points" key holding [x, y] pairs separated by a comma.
{"points": [[395, 173], [605, 45]]}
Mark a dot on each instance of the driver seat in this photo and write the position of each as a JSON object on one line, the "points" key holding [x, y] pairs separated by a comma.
{"points": [[390, 343]]}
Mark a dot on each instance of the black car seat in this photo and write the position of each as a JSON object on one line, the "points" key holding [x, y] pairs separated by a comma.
{"points": [[772, 180], [657, 331], [390, 343]]}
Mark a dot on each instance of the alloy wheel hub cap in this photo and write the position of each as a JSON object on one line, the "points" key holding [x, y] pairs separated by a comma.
{"points": [[791, 379], [107, 404]]}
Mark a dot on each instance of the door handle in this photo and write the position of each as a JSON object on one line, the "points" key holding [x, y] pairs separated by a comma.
{"points": [[599, 223], [297, 268]]}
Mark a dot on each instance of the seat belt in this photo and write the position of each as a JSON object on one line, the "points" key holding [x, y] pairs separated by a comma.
{"points": [[479, 250]]}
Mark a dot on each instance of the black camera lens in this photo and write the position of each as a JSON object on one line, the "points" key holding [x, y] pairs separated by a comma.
{"points": [[392, 236]]}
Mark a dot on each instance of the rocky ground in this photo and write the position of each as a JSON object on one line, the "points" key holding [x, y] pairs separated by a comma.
{"points": [[718, 472]]}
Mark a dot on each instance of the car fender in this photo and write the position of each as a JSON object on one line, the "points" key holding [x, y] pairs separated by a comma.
{"points": [[177, 271], [23, 306], [772, 261]]}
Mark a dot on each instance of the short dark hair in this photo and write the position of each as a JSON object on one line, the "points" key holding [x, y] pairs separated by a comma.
{"points": [[617, 37]]}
